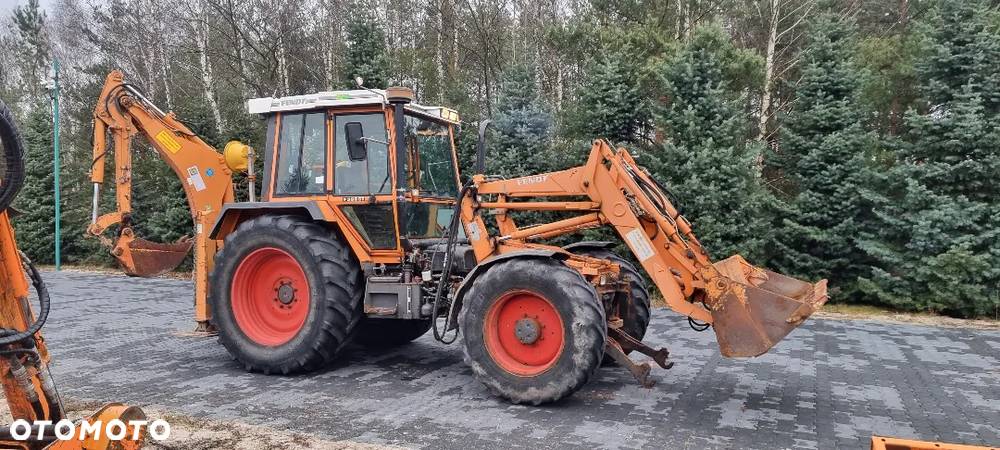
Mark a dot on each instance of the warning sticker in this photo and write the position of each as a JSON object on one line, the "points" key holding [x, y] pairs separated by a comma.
{"points": [[640, 244], [473, 231], [194, 178], [167, 141]]}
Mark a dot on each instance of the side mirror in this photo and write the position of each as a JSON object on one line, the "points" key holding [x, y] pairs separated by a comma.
{"points": [[357, 145]]}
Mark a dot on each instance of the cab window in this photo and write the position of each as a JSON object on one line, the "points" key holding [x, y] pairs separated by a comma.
{"points": [[429, 151], [301, 166], [370, 175]]}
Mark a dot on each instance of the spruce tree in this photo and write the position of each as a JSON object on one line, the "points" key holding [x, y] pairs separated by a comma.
{"points": [[366, 56], [521, 143], [32, 47], [610, 101], [823, 149], [522, 127], [937, 247], [706, 158], [963, 49], [35, 224]]}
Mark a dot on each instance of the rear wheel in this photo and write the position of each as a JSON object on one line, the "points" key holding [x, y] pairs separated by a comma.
{"points": [[634, 311], [285, 294], [533, 329], [390, 332]]}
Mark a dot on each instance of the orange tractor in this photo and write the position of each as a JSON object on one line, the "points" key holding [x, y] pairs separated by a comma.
{"points": [[364, 233]]}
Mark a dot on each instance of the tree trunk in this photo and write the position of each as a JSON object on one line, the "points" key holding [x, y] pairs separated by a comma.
{"points": [[680, 20], [207, 79], [283, 67], [765, 97], [165, 74], [439, 52]]}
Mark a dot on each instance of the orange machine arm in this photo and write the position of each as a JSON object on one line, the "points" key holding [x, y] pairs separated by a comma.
{"points": [[24, 358], [620, 194], [24, 362], [123, 112]]}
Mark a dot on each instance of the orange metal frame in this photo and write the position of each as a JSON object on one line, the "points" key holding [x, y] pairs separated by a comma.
{"points": [[750, 307], [123, 116], [330, 204], [601, 181], [891, 443], [16, 314]]}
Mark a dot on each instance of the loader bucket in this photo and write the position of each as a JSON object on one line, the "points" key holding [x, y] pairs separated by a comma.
{"points": [[754, 308], [142, 258]]}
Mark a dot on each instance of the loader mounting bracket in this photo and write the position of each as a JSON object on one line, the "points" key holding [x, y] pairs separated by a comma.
{"points": [[639, 370], [619, 341]]}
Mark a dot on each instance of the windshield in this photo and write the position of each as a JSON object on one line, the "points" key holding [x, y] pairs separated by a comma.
{"points": [[429, 144]]}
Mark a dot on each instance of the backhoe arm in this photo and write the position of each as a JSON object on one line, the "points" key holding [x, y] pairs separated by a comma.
{"points": [[750, 308], [123, 112]]}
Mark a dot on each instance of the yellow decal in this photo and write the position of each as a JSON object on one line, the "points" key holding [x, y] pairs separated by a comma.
{"points": [[167, 141]]}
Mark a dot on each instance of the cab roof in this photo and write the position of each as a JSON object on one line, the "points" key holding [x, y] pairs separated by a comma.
{"points": [[328, 99]]}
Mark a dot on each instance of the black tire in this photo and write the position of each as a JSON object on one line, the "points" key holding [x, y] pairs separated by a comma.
{"points": [[334, 281], [635, 311], [13, 158], [390, 332], [575, 302]]}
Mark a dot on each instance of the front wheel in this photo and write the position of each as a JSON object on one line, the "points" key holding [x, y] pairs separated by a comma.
{"points": [[285, 294], [533, 329]]}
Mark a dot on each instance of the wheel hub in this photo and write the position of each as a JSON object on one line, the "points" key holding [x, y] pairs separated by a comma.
{"points": [[524, 333], [286, 293], [270, 296], [527, 330]]}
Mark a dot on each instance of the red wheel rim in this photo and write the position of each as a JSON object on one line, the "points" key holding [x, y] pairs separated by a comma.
{"points": [[523, 333], [270, 296]]}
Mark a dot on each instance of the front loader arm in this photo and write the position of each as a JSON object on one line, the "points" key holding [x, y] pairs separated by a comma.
{"points": [[123, 112], [751, 308]]}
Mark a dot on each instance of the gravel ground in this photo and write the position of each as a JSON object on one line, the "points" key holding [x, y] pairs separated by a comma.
{"points": [[831, 384]]}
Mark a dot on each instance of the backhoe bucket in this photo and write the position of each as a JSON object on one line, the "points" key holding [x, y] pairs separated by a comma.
{"points": [[142, 258], [754, 308]]}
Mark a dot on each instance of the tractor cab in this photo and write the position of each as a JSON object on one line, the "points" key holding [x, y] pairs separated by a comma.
{"points": [[380, 166]]}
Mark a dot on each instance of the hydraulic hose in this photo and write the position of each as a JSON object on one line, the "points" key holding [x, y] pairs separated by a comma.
{"points": [[9, 336], [13, 179], [10, 184], [13, 157], [449, 249]]}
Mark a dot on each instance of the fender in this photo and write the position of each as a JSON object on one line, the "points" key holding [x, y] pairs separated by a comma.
{"points": [[589, 244], [234, 213], [483, 266]]}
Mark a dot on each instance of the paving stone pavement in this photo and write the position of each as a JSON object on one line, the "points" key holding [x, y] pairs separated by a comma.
{"points": [[830, 384]]}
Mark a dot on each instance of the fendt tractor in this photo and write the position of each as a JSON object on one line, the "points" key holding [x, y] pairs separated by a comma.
{"points": [[364, 233]]}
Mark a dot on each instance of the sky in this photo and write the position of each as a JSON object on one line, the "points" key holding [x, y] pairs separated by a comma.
{"points": [[6, 6]]}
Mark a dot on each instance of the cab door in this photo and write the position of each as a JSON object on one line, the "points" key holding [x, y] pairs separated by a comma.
{"points": [[431, 177], [362, 181]]}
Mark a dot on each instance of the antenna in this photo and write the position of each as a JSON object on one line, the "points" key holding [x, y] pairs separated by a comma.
{"points": [[361, 84]]}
